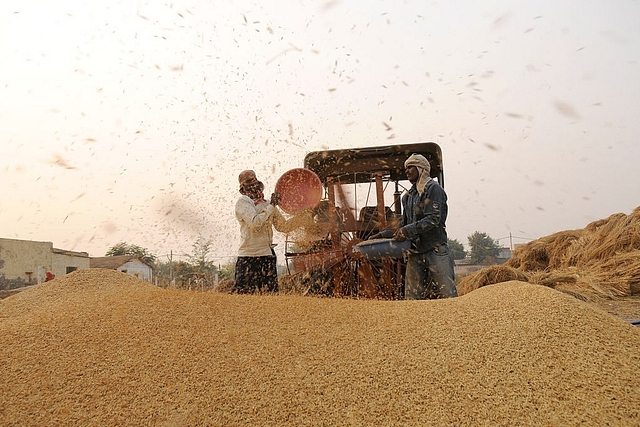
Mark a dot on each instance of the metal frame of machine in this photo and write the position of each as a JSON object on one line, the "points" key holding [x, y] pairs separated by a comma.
{"points": [[332, 263]]}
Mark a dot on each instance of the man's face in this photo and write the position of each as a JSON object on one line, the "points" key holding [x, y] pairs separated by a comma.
{"points": [[412, 174], [254, 188]]}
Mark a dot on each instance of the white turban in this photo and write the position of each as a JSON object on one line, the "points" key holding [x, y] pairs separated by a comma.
{"points": [[424, 168]]}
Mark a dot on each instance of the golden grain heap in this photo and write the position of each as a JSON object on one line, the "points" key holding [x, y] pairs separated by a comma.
{"points": [[600, 261], [100, 348]]}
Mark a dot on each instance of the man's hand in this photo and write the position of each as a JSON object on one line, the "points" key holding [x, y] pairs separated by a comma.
{"points": [[374, 236], [400, 235], [275, 198]]}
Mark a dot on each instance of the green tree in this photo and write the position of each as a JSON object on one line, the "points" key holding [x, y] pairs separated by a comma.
{"points": [[203, 269], [484, 249], [183, 272], [456, 248], [200, 256], [124, 248]]}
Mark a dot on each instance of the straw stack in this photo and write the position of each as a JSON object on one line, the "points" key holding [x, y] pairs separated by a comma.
{"points": [[600, 261]]}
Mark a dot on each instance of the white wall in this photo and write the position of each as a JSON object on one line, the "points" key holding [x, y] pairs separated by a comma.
{"points": [[137, 269]]}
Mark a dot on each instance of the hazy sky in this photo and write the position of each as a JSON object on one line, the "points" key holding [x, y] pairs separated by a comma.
{"points": [[130, 120]]}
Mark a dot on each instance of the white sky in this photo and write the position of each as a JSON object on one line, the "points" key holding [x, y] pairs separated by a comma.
{"points": [[130, 120]]}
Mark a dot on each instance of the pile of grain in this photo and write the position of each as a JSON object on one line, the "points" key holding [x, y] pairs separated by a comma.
{"points": [[97, 347], [600, 261]]}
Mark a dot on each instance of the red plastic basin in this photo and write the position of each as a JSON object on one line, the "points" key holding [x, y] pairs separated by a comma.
{"points": [[300, 189]]}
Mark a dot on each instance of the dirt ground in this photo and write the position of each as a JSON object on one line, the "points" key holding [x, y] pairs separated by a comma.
{"points": [[627, 308]]}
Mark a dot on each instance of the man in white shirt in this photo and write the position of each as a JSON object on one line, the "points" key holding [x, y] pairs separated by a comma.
{"points": [[256, 269]]}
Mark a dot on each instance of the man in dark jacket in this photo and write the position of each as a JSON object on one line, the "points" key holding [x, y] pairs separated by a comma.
{"points": [[429, 272]]}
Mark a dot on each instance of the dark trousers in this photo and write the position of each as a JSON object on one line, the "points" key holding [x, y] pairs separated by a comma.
{"points": [[256, 274], [430, 275]]}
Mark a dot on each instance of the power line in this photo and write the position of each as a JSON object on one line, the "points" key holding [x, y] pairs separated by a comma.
{"points": [[511, 237]]}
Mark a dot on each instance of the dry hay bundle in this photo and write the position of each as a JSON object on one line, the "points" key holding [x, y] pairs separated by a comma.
{"points": [[546, 252], [489, 276], [573, 282], [98, 347], [620, 273], [570, 281], [600, 261], [603, 239]]}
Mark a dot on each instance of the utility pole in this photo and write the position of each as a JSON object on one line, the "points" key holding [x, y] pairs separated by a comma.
{"points": [[510, 242], [171, 266]]}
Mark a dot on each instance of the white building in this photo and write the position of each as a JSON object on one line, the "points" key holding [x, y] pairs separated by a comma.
{"points": [[129, 264], [26, 262]]}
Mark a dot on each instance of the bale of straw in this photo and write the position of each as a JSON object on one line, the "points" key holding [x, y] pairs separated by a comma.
{"points": [[489, 276], [620, 273], [555, 277], [600, 261], [559, 245], [544, 253], [602, 239], [530, 257], [572, 281]]}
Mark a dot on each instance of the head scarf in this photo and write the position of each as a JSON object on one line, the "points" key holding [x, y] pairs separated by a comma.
{"points": [[424, 168], [246, 178]]}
